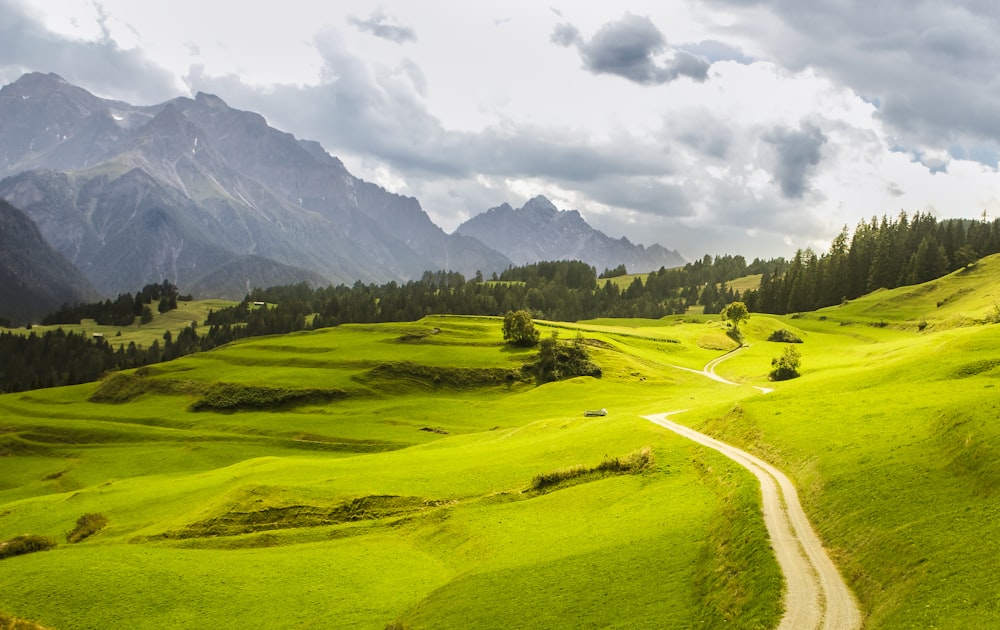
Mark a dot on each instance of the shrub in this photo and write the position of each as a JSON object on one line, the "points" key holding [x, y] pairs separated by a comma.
{"points": [[86, 526], [784, 335], [993, 317], [786, 366], [236, 397], [20, 545], [631, 464], [557, 361]]}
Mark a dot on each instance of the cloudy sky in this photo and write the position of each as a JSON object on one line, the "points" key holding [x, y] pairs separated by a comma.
{"points": [[710, 126]]}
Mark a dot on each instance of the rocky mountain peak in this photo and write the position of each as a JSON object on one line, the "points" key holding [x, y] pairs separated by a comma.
{"points": [[540, 206], [540, 231], [210, 101], [205, 195]]}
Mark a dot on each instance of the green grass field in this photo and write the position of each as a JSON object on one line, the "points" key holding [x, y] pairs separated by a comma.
{"points": [[142, 334], [382, 476]]}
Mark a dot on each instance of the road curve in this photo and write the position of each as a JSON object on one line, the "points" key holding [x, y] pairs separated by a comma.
{"points": [[815, 594], [709, 370]]}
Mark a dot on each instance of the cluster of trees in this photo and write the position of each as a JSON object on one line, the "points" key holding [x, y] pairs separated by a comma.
{"points": [[618, 271], [123, 310], [555, 360], [881, 254], [52, 359], [56, 357]]}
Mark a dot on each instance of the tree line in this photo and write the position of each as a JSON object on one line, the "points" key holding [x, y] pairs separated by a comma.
{"points": [[559, 290], [881, 254], [563, 290]]}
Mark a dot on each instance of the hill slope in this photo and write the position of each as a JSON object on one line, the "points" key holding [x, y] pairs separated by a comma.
{"points": [[284, 481], [34, 278], [961, 298]]}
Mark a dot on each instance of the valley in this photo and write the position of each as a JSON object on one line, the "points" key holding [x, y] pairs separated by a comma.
{"points": [[385, 475]]}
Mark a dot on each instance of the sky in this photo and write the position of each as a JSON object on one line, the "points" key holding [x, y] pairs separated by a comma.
{"points": [[753, 127]]}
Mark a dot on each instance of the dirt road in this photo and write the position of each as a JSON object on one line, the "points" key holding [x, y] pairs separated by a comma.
{"points": [[709, 370], [815, 594]]}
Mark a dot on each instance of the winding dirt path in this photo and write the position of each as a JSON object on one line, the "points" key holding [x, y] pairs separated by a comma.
{"points": [[709, 369], [816, 596]]}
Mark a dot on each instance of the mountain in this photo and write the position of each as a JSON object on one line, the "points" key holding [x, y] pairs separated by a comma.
{"points": [[540, 231], [204, 195], [34, 278]]}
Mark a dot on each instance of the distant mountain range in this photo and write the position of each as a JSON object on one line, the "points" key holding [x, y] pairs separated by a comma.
{"points": [[540, 231], [216, 201]]}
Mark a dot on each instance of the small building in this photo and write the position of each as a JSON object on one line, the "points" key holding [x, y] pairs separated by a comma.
{"points": [[595, 412]]}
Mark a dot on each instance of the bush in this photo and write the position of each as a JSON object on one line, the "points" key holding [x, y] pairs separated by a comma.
{"points": [[557, 361], [631, 464], [783, 335], [993, 317], [237, 397], [20, 545], [786, 366], [86, 526]]}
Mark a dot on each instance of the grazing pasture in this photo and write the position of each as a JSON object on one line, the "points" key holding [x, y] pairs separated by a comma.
{"points": [[410, 476]]}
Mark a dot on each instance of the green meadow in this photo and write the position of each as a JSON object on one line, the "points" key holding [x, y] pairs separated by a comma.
{"points": [[390, 476], [141, 334]]}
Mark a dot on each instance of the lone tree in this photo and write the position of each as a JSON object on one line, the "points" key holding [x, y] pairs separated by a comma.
{"points": [[519, 330], [736, 312], [786, 366]]}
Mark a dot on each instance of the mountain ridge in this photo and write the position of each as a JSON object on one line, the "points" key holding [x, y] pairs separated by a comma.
{"points": [[179, 189], [185, 188], [540, 231]]}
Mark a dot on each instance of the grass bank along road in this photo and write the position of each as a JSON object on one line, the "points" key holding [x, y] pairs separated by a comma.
{"points": [[815, 593], [815, 596]]}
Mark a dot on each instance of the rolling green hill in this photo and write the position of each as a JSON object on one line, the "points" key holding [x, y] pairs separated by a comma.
{"points": [[388, 475]]}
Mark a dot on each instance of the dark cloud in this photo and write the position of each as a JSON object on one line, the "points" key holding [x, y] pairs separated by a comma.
{"points": [[931, 66], [101, 66], [633, 48], [797, 153], [381, 25]]}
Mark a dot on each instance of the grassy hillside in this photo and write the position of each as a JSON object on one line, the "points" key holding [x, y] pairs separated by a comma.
{"points": [[962, 298], [142, 334], [395, 485], [372, 475]]}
